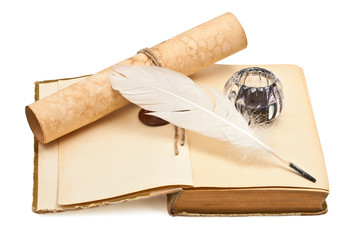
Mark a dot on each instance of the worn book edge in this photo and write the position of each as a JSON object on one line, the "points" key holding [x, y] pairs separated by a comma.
{"points": [[173, 197]]}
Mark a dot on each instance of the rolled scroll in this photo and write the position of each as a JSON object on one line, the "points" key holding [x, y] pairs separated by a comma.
{"points": [[92, 98]]}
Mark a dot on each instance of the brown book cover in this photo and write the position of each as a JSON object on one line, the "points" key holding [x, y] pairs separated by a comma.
{"points": [[118, 159]]}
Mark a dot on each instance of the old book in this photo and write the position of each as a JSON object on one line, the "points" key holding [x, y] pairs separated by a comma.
{"points": [[117, 158]]}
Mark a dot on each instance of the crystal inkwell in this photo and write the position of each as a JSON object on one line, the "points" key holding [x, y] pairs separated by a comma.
{"points": [[256, 93]]}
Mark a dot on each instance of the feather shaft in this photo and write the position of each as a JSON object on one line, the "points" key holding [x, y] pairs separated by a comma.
{"points": [[177, 99]]}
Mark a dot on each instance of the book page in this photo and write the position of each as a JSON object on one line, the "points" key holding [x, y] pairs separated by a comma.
{"points": [[118, 155], [293, 135], [46, 182], [114, 156]]}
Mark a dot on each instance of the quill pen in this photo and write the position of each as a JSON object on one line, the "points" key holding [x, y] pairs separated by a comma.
{"points": [[177, 99]]}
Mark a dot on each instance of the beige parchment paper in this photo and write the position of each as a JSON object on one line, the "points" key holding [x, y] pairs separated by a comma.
{"points": [[93, 98]]}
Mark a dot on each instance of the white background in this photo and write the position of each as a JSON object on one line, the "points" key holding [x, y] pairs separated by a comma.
{"points": [[41, 40]]}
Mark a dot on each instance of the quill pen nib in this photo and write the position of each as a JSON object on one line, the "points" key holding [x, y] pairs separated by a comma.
{"points": [[292, 165], [288, 163], [302, 172]]}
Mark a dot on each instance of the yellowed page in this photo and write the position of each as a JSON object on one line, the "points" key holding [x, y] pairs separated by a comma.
{"points": [[294, 135], [47, 164], [118, 155]]}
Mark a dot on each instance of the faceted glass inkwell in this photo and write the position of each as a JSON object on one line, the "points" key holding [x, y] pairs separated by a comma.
{"points": [[256, 93]]}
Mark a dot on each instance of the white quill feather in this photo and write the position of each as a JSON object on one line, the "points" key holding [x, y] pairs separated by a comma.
{"points": [[175, 98]]}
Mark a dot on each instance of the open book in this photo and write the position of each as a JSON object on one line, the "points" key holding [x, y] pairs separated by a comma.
{"points": [[117, 158]]}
